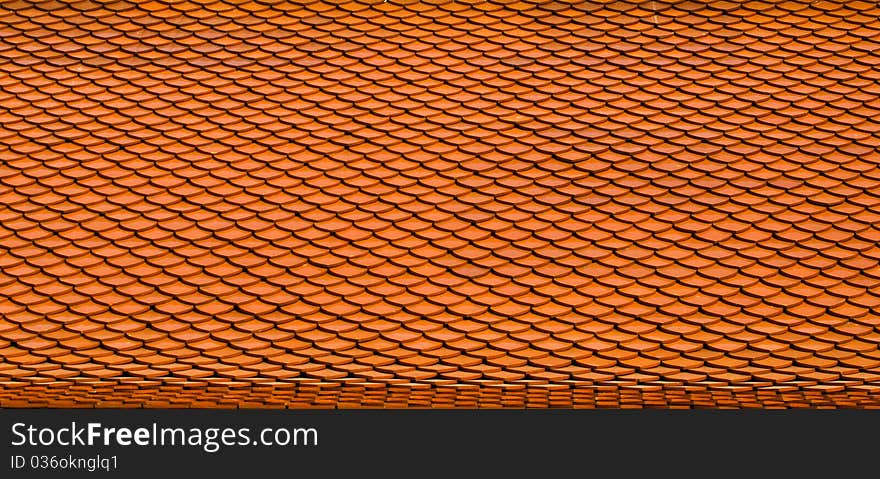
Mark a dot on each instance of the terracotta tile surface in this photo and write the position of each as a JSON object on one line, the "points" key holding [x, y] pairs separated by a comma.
{"points": [[433, 203]]}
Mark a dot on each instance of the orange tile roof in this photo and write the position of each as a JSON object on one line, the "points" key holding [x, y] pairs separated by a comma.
{"points": [[480, 203]]}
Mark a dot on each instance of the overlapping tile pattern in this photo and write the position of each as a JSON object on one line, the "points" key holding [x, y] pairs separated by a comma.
{"points": [[436, 203]]}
